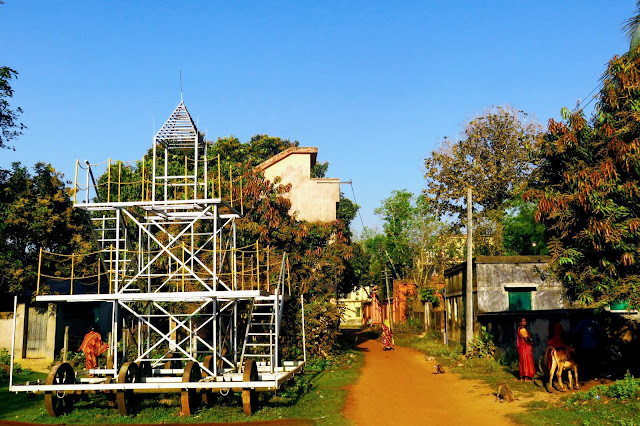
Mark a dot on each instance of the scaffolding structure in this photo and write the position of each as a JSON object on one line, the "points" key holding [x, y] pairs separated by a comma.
{"points": [[167, 262]]}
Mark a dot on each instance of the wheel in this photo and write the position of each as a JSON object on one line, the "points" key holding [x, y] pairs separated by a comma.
{"points": [[145, 369], [173, 364], [249, 395], [208, 397], [189, 397], [60, 402], [126, 400]]}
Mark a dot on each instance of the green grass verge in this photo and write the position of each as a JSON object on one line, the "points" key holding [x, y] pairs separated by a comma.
{"points": [[314, 395]]}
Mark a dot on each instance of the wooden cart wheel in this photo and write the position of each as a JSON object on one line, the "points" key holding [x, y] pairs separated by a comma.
{"points": [[145, 369], [60, 402], [208, 396], [249, 395], [126, 399], [189, 397], [173, 364]]}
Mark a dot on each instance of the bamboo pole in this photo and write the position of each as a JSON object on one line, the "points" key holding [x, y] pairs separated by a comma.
{"points": [[39, 268], [230, 187], [185, 180], [75, 184], [119, 179], [268, 270], [98, 276], [109, 181], [242, 256], [219, 181], [142, 182], [72, 265], [258, 265]]}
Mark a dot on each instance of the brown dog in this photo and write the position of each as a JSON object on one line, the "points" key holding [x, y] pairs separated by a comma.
{"points": [[562, 358], [504, 393]]}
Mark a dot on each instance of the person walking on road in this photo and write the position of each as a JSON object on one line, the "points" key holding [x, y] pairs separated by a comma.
{"points": [[387, 336]]}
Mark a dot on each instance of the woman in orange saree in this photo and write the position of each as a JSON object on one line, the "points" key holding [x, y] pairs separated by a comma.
{"points": [[92, 347]]}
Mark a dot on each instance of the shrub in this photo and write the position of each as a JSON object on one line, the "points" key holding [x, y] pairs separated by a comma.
{"points": [[483, 346], [5, 365], [625, 389]]}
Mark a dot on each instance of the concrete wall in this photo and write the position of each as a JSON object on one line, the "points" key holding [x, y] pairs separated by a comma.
{"points": [[493, 277], [6, 330], [492, 282], [313, 200]]}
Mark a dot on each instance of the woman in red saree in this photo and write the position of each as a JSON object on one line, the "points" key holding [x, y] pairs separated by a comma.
{"points": [[525, 352], [387, 336], [92, 347]]}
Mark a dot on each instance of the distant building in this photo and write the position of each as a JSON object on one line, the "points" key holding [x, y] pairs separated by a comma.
{"points": [[312, 199], [354, 315]]}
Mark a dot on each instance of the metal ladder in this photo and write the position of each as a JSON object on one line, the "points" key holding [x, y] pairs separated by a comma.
{"points": [[263, 326]]}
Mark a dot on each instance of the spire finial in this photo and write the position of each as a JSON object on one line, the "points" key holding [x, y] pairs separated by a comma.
{"points": [[180, 85]]}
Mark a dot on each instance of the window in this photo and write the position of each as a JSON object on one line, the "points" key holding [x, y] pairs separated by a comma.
{"points": [[519, 299]]}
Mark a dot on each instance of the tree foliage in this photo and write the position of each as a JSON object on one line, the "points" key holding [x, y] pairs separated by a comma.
{"points": [[523, 235], [35, 212], [10, 128], [492, 158], [588, 191], [413, 243]]}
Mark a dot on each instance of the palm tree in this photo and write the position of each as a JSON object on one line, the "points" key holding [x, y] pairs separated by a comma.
{"points": [[632, 28]]}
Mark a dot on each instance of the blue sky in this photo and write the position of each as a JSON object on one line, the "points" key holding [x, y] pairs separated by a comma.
{"points": [[375, 85]]}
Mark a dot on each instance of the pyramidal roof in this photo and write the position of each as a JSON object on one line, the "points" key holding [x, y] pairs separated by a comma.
{"points": [[179, 131]]}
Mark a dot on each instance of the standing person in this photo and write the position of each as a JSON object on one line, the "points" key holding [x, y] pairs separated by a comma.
{"points": [[589, 331], [387, 335], [525, 352], [92, 347], [557, 338]]}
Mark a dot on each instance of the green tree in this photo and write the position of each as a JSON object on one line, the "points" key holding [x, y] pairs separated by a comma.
{"points": [[492, 158], [411, 246], [35, 212], [588, 191], [632, 28], [523, 235], [10, 128]]}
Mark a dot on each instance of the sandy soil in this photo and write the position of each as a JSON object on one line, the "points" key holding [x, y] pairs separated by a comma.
{"points": [[399, 387]]}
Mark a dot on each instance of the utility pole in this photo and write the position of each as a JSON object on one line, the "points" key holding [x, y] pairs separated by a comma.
{"points": [[469, 286], [385, 275]]}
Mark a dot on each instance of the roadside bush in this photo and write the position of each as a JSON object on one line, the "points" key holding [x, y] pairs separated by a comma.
{"points": [[5, 365], [624, 389], [483, 346], [411, 326]]}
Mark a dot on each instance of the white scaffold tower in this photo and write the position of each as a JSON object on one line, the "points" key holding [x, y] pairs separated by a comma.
{"points": [[167, 264]]}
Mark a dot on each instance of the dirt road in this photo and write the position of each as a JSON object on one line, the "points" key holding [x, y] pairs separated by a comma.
{"points": [[398, 387]]}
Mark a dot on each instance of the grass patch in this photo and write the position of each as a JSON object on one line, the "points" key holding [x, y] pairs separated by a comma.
{"points": [[604, 412], [314, 395]]}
